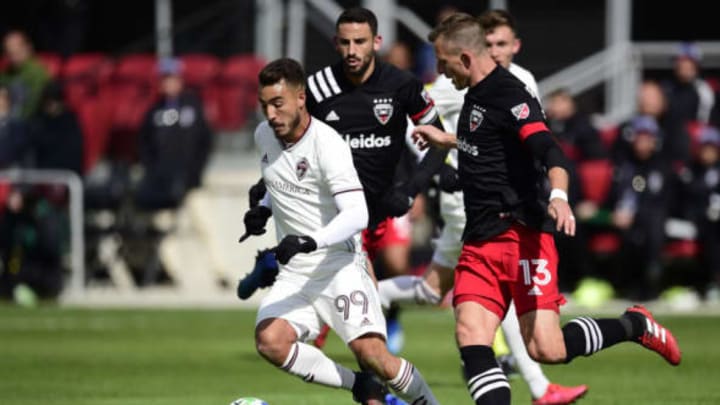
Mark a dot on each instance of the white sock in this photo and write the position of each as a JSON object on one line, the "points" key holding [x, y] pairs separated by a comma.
{"points": [[529, 369], [406, 289], [312, 365], [410, 385]]}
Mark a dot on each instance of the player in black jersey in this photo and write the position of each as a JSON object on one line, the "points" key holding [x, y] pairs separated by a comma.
{"points": [[369, 102], [505, 154]]}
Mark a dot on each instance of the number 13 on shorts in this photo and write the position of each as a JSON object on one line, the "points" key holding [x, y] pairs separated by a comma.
{"points": [[535, 274]]}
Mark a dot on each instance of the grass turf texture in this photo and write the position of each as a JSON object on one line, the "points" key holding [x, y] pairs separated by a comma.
{"points": [[203, 357]]}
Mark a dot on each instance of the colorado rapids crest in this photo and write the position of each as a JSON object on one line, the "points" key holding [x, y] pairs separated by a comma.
{"points": [[301, 168]]}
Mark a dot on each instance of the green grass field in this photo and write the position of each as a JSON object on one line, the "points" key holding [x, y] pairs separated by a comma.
{"points": [[206, 357]]}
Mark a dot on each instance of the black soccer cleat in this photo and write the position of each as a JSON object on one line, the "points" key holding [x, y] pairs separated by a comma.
{"points": [[262, 275], [368, 389]]}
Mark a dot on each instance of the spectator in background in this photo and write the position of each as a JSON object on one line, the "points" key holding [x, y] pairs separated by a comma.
{"points": [[175, 143], [639, 199], [652, 101], [425, 62], [13, 138], [690, 100], [690, 97], [699, 193], [26, 77], [580, 141], [56, 141], [400, 55], [578, 137], [34, 227]]}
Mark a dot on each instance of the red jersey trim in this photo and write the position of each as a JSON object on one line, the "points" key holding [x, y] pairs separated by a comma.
{"points": [[531, 129], [415, 118]]}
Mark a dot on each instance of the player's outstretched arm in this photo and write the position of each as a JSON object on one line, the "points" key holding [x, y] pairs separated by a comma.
{"points": [[426, 135]]}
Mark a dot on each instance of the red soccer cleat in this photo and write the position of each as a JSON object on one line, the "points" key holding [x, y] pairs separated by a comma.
{"points": [[558, 395], [658, 338], [322, 337]]}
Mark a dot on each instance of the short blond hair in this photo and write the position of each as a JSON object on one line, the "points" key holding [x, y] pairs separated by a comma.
{"points": [[462, 30]]}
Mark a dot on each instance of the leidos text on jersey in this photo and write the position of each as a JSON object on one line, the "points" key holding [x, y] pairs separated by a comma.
{"points": [[368, 142]]}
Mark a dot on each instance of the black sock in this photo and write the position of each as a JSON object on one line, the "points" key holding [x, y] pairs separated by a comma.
{"points": [[634, 325], [585, 336], [485, 379], [393, 313]]}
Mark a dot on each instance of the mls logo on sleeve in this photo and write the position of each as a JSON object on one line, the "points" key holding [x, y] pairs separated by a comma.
{"points": [[476, 118], [301, 168], [383, 109], [521, 111]]}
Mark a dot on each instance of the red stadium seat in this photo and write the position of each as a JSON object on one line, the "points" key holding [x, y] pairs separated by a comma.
{"points": [[608, 136], [137, 68], [604, 243], [595, 179], [82, 75], [94, 118], [53, 63], [237, 90], [200, 73], [199, 70], [694, 130], [681, 249], [127, 95]]}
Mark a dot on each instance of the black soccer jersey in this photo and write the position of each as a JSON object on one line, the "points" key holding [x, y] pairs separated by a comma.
{"points": [[501, 180], [373, 120]]}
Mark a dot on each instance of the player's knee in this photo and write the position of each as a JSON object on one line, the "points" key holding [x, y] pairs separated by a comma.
{"points": [[371, 354], [546, 352], [272, 344]]}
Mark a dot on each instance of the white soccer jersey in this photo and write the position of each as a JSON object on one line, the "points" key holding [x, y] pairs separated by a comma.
{"points": [[302, 181]]}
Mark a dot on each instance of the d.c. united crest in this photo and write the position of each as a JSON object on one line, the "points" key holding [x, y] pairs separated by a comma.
{"points": [[476, 118], [301, 168], [383, 109]]}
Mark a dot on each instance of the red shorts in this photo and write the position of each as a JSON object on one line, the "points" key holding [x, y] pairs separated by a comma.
{"points": [[519, 264], [391, 231]]}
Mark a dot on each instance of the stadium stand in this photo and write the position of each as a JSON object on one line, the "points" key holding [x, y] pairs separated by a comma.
{"points": [[237, 88], [200, 72], [53, 62]]}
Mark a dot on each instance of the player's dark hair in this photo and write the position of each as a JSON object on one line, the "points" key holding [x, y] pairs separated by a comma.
{"points": [[283, 68], [460, 28], [492, 19], [358, 15]]}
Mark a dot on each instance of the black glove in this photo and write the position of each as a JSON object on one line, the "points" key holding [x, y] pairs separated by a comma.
{"points": [[397, 202], [449, 181], [292, 245], [255, 220], [256, 193]]}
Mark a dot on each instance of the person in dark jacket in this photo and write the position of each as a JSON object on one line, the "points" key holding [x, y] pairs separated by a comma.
{"points": [[639, 200], [174, 143], [56, 140], [699, 193]]}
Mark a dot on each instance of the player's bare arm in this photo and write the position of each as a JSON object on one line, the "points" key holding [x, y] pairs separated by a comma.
{"points": [[558, 208], [426, 135]]}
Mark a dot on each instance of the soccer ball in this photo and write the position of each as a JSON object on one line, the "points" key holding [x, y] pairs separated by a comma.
{"points": [[248, 401]]}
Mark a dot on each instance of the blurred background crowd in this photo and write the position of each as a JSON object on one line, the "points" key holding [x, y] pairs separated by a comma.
{"points": [[85, 94]]}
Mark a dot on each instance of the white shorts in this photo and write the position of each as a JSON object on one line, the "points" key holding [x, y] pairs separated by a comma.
{"points": [[347, 301], [449, 243]]}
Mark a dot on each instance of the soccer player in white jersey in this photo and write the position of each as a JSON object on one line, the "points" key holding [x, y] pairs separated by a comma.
{"points": [[502, 43], [316, 198]]}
